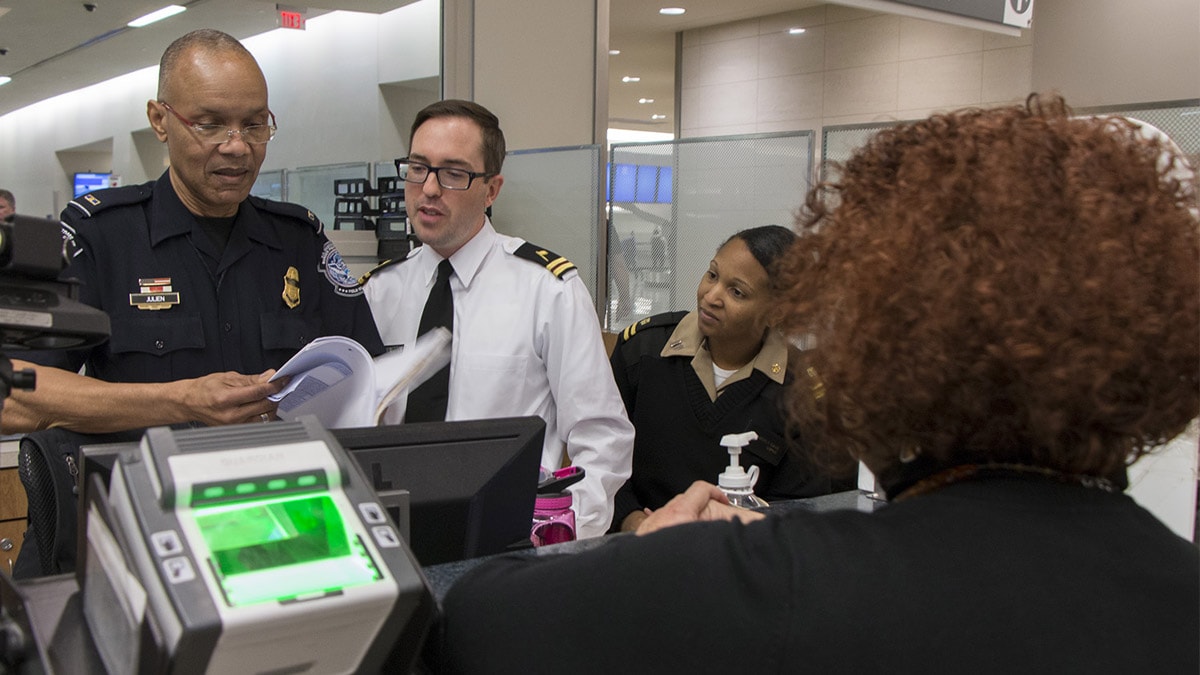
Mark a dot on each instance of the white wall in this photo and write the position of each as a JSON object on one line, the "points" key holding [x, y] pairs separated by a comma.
{"points": [[853, 66], [324, 87], [850, 66], [1110, 52], [31, 137]]}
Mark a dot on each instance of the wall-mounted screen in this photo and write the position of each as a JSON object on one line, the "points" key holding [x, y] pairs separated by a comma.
{"points": [[647, 181], [624, 183], [640, 183], [90, 182], [662, 194]]}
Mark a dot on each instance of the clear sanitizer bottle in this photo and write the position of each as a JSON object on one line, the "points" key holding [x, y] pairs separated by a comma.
{"points": [[736, 482]]}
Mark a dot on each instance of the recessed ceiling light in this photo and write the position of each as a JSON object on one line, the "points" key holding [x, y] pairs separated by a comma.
{"points": [[631, 78], [158, 15], [658, 117], [614, 52], [645, 100], [672, 11], [4, 79], [795, 31]]}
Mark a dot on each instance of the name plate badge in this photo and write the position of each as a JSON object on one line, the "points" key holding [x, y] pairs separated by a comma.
{"points": [[153, 300], [155, 294]]}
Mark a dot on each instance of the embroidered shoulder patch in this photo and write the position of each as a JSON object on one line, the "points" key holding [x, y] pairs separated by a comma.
{"points": [[337, 273]]}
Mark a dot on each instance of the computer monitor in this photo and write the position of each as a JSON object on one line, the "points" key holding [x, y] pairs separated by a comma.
{"points": [[472, 484], [90, 182]]}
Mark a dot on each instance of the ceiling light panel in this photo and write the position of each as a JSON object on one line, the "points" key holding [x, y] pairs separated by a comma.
{"points": [[157, 15]]}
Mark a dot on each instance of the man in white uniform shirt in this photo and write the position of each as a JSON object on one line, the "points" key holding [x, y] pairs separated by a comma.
{"points": [[526, 337]]}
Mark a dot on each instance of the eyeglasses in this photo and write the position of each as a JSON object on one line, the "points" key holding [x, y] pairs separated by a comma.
{"points": [[219, 133], [448, 177]]}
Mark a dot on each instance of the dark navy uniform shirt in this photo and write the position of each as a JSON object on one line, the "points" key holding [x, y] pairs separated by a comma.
{"points": [[180, 308]]}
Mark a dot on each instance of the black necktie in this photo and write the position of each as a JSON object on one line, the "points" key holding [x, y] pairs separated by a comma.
{"points": [[427, 403]]}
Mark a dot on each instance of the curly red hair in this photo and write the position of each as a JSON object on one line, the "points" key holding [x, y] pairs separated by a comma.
{"points": [[1012, 285]]}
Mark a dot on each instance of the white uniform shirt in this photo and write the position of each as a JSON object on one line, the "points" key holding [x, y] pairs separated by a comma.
{"points": [[525, 343]]}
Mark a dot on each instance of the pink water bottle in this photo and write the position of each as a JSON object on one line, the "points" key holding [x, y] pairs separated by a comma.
{"points": [[553, 519]]}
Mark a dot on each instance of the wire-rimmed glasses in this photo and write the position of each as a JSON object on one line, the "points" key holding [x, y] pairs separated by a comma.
{"points": [[220, 133]]}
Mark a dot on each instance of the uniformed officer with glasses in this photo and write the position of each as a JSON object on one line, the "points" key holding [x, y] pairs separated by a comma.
{"points": [[208, 288], [526, 338]]}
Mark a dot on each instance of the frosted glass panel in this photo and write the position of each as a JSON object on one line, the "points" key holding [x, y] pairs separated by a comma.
{"points": [[312, 187], [839, 143], [269, 185], [674, 203], [1178, 119], [551, 198]]}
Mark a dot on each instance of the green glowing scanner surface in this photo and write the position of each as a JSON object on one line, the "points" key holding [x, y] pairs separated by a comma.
{"points": [[282, 548]]}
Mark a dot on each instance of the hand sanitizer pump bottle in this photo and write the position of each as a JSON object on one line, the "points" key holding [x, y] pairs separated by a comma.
{"points": [[736, 482]]}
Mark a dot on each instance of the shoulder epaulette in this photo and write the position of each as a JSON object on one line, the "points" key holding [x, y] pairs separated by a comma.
{"points": [[666, 319], [553, 262], [386, 263], [95, 202], [290, 210]]}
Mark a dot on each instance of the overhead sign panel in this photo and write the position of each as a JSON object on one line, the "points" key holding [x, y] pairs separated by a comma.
{"points": [[1017, 13]]}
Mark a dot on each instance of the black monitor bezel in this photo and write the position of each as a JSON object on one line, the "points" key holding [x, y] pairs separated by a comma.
{"points": [[496, 517]]}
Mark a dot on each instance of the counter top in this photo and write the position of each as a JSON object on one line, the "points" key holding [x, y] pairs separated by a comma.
{"points": [[442, 577], [53, 605]]}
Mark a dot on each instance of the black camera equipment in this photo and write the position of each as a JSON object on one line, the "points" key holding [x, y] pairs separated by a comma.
{"points": [[38, 310]]}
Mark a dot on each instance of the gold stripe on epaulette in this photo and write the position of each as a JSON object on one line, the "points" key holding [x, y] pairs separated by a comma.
{"points": [[560, 266], [362, 280], [633, 327]]}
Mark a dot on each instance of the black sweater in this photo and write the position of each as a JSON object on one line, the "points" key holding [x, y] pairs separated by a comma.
{"points": [[679, 429]]}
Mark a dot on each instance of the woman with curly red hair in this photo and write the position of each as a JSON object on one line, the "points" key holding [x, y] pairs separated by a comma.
{"points": [[1011, 288], [1006, 306]]}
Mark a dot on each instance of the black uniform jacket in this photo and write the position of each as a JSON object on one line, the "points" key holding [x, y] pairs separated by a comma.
{"points": [[181, 308], [679, 427], [1003, 575]]}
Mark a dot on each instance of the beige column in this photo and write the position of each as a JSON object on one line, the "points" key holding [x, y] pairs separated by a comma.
{"points": [[540, 65]]}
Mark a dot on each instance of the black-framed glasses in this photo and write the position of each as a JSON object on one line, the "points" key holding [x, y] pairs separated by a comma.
{"points": [[450, 178], [220, 133]]}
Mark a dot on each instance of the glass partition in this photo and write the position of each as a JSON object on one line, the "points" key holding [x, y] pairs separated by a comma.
{"points": [[312, 186], [673, 204], [551, 198], [839, 142], [1178, 119], [385, 168], [269, 185]]}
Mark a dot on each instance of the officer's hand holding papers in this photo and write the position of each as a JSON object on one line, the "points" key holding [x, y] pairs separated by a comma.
{"points": [[336, 380]]}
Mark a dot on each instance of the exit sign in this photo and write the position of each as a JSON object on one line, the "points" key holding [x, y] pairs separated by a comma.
{"points": [[290, 18]]}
